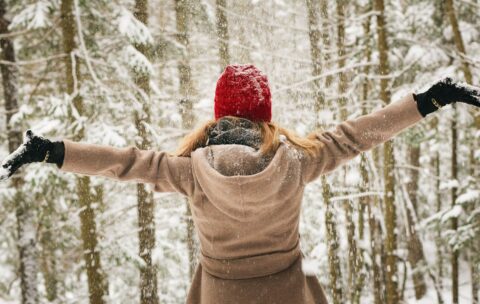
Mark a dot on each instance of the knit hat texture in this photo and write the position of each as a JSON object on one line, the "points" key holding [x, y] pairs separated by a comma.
{"points": [[243, 91]]}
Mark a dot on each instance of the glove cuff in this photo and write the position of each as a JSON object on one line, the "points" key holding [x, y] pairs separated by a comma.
{"points": [[56, 153], [425, 104]]}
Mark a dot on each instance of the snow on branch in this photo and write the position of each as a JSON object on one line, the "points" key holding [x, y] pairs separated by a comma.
{"points": [[468, 197], [137, 61], [133, 29], [323, 75], [355, 195], [454, 212], [33, 16]]}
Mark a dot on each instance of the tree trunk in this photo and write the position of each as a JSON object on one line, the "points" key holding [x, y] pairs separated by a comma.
{"points": [[97, 285], [315, 54], [330, 221], [454, 221], [375, 241], [457, 37], [416, 256], [438, 199], [364, 186], [25, 211], [186, 109], [325, 37], [222, 32], [364, 201], [334, 269], [354, 258], [392, 296], [48, 258], [145, 202]]}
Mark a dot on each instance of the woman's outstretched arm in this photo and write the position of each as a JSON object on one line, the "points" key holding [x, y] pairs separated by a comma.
{"points": [[353, 136], [167, 173]]}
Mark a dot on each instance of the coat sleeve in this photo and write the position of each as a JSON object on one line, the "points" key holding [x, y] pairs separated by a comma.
{"points": [[353, 136], [167, 173]]}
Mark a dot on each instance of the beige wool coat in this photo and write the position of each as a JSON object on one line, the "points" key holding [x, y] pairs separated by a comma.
{"points": [[246, 208]]}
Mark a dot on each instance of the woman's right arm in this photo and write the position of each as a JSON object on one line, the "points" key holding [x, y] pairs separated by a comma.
{"points": [[167, 173]]}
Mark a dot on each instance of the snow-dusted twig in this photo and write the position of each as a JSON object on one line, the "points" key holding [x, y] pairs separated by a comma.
{"points": [[471, 3], [323, 75], [15, 34], [355, 195], [82, 44], [36, 61], [303, 30]]}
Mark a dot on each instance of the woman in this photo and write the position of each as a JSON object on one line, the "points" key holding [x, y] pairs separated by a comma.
{"points": [[245, 178]]}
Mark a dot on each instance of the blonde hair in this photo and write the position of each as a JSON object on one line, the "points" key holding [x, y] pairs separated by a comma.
{"points": [[270, 133]]}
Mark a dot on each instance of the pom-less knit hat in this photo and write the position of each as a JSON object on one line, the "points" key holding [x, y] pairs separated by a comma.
{"points": [[243, 91]]}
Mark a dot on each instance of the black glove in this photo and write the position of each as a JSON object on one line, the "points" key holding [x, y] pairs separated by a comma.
{"points": [[444, 92], [34, 149]]}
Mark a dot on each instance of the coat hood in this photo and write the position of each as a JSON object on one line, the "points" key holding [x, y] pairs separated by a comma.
{"points": [[235, 178]]}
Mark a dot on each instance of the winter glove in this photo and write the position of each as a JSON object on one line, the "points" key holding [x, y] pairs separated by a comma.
{"points": [[34, 149], [446, 92]]}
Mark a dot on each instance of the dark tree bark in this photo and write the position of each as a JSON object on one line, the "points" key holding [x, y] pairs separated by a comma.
{"points": [[97, 284], [416, 256], [457, 36], [354, 259], [186, 107], [315, 54], [330, 222], [392, 295], [25, 210], [145, 201]]}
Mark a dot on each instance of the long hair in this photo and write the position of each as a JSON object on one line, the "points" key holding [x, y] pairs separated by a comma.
{"points": [[270, 133]]}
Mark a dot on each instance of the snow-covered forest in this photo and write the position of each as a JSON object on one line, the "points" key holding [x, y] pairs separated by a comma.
{"points": [[398, 224]]}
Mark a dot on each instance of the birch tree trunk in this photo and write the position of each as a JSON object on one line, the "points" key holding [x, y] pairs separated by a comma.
{"points": [[24, 210], [186, 108], [222, 32], [97, 285], [392, 296], [330, 222], [145, 201]]}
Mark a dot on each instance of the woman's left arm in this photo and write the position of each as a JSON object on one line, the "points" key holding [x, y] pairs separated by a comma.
{"points": [[353, 136]]}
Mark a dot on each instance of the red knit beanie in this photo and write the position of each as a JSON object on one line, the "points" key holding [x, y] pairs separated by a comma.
{"points": [[242, 91]]}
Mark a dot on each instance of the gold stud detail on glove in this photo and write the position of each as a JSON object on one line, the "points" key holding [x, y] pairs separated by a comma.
{"points": [[436, 103], [46, 157]]}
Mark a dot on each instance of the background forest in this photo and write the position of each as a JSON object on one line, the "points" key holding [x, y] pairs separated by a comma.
{"points": [[399, 223]]}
